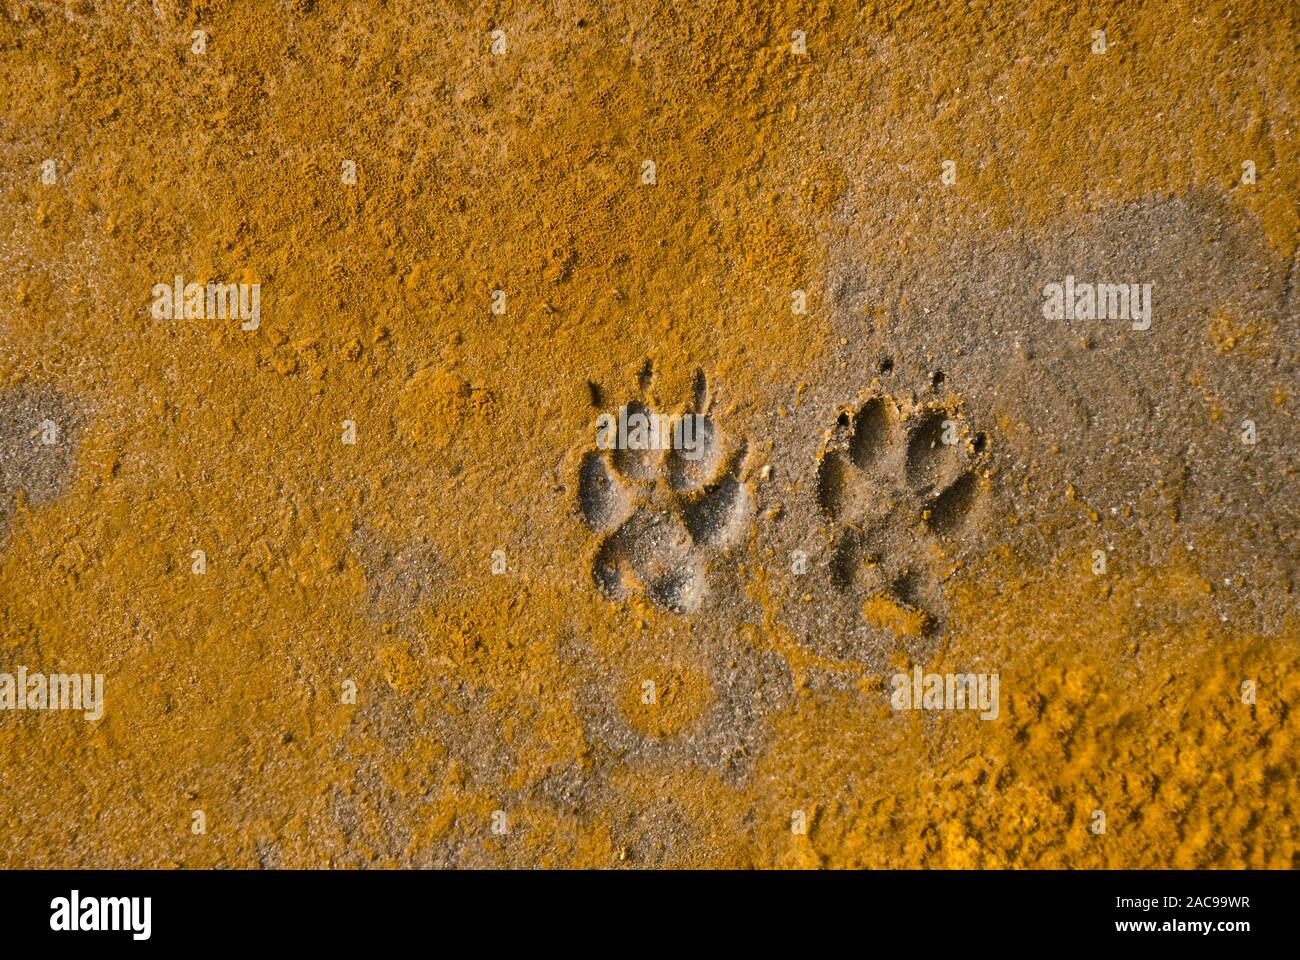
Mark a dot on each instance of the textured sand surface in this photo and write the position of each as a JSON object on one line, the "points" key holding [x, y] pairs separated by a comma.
{"points": [[474, 638]]}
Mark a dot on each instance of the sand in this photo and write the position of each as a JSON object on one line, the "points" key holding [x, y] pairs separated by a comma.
{"points": [[437, 624]]}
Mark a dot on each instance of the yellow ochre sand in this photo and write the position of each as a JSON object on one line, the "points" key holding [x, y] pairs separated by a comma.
{"points": [[453, 566]]}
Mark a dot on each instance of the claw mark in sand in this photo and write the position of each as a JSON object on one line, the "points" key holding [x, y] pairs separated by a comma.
{"points": [[894, 480], [663, 513]]}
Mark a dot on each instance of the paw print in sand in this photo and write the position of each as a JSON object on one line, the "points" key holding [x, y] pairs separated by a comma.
{"points": [[898, 482], [664, 499]]}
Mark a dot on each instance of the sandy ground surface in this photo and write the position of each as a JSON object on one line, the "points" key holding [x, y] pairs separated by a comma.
{"points": [[472, 637]]}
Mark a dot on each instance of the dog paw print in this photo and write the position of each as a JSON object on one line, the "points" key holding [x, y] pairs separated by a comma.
{"points": [[897, 482], [664, 499]]}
